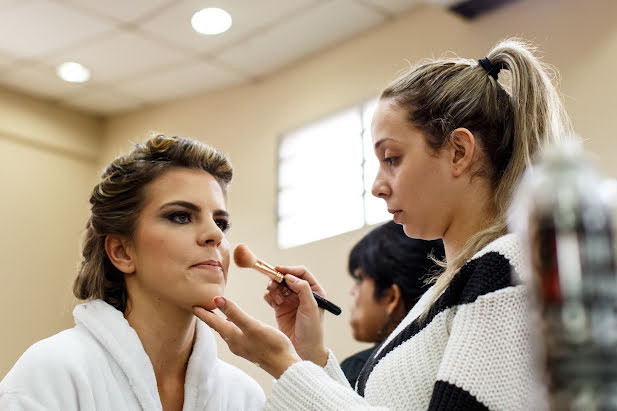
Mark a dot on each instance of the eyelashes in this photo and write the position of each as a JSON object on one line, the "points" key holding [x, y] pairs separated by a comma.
{"points": [[391, 160], [179, 217], [185, 217], [223, 224]]}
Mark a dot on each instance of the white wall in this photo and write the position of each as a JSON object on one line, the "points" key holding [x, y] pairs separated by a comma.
{"points": [[47, 166]]}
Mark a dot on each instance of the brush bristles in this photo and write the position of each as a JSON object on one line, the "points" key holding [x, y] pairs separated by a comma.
{"points": [[244, 257]]}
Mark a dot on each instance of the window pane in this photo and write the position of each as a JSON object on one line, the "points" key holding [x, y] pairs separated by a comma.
{"points": [[367, 114], [339, 163], [320, 180], [313, 201], [375, 208], [321, 223], [319, 135]]}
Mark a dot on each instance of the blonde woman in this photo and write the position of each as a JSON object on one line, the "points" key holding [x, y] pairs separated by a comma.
{"points": [[452, 139], [155, 246]]}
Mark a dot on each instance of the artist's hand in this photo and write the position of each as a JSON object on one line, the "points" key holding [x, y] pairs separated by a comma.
{"points": [[297, 313], [249, 338]]}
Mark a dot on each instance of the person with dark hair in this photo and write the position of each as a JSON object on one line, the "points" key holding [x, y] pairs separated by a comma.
{"points": [[155, 246], [453, 137], [391, 272]]}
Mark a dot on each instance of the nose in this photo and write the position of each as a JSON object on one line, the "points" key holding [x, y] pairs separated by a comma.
{"points": [[210, 234], [380, 188]]}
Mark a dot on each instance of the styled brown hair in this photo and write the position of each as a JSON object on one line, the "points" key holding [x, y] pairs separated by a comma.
{"points": [[119, 198], [511, 120]]}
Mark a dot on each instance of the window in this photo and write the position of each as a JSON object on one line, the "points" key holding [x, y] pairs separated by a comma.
{"points": [[326, 171]]}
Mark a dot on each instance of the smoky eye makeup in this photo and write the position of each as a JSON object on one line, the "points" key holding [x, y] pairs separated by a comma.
{"points": [[223, 223], [179, 216]]}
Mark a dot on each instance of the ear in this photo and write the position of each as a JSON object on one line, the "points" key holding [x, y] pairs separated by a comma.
{"points": [[392, 297], [463, 146], [119, 253]]}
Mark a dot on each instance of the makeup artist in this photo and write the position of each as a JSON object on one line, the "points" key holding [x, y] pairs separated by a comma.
{"points": [[391, 272], [452, 137], [154, 247]]}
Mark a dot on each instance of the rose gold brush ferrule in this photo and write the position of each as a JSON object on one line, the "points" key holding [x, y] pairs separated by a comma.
{"points": [[268, 270]]}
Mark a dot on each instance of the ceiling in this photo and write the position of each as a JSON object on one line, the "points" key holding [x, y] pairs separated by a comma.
{"points": [[143, 52]]}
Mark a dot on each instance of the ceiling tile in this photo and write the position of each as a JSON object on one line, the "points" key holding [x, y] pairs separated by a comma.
{"points": [[248, 16], [123, 10], [41, 27], [39, 81], [121, 55], [156, 55], [187, 79], [298, 37], [104, 102]]}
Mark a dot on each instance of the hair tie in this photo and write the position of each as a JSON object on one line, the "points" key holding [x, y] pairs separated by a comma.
{"points": [[492, 69]]}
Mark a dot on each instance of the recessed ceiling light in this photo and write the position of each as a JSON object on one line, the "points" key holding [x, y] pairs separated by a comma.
{"points": [[73, 72], [211, 21]]}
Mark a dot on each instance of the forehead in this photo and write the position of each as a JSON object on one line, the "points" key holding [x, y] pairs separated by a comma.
{"points": [[194, 185], [389, 122]]}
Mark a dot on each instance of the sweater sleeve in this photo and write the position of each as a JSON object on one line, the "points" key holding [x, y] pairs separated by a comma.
{"points": [[334, 370], [487, 361], [307, 386]]}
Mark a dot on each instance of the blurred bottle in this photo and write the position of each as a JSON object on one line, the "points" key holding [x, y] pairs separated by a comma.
{"points": [[567, 211]]}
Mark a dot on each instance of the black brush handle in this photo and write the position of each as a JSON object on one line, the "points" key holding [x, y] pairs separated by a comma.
{"points": [[322, 302]]}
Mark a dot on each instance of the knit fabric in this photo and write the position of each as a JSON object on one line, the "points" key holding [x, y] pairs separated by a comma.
{"points": [[472, 351], [352, 365]]}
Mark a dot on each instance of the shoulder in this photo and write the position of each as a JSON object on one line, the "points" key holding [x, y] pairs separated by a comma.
{"points": [[61, 351], [496, 267], [508, 247], [49, 367]]}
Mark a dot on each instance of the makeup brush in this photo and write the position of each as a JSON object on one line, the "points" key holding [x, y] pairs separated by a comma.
{"points": [[245, 258]]}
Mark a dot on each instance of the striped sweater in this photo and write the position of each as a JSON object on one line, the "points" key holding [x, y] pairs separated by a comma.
{"points": [[471, 352]]}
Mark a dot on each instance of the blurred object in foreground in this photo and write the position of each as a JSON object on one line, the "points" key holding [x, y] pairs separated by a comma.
{"points": [[566, 212]]}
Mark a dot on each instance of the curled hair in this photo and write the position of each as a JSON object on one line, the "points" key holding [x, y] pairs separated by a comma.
{"points": [[510, 120], [118, 199], [389, 257]]}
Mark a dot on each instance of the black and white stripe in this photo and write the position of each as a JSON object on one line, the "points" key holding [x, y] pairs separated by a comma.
{"points": [[477, 277]]}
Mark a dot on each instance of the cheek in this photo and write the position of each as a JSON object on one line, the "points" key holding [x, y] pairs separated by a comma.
{"points": [[225, 257], [362, 303], [153, 250]]}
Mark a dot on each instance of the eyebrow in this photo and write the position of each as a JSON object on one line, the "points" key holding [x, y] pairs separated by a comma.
{"points": [[383, 140], [193, 207]]}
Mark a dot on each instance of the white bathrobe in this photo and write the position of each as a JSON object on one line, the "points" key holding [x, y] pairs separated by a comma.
{"points": [[100, 364]]}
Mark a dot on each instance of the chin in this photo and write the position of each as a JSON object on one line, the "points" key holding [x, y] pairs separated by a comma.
{"points": [[413, 232], [204, 297]]}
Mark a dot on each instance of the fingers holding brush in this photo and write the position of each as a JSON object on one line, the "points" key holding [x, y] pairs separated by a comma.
{"points": [[279, 292], [302, 273]]}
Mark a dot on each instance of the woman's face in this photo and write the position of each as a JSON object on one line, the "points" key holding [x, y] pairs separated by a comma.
{"points": [[368, 315], [180, 251], [412, 179]]}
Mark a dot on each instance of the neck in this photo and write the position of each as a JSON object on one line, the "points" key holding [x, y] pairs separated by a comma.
{"points": [[473, 214], [166, 333]]}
